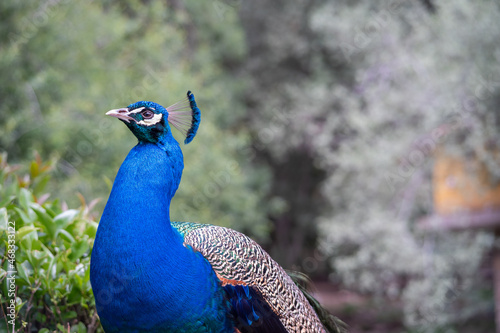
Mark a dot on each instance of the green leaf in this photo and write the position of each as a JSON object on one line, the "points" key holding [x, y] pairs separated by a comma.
{"points": [[25, 237], [80, 328], [78, 249], [36, 259], [66, 217], [50, 211], [25, 198], [47, 250], [19, 306], [23, 270], [34, 169], [36, 245], [91, 228], [41, 184], [47, 222], [4, 218], [69, 315], [6, 198], [27, 217], [23, 231], [65, 235]]}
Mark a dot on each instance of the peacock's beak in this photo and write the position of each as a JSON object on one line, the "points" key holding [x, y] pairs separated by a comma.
{"points": [[121, 114]]}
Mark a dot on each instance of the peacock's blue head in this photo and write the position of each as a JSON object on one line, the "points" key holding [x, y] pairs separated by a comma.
{"points": [[149, 121]]}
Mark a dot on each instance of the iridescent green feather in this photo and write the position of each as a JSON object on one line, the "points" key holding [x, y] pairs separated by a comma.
{"points": [[186, 227]]}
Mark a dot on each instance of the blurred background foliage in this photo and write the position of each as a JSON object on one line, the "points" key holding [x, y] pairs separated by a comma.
{"points": [[321, 124]]}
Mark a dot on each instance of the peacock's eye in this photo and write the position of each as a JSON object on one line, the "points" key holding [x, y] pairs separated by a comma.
{"points": [[147, 114]]}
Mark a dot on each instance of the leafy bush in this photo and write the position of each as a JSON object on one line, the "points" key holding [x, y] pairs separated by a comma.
{"points": [[52, 254]]}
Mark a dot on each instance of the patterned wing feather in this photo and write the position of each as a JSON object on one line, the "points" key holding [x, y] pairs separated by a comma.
{"points": [[238, 260]]}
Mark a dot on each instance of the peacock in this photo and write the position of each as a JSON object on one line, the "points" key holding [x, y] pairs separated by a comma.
{"points": [[149, 274]]}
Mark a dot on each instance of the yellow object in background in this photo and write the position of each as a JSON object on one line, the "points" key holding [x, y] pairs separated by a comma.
{"points": [[463, 185]]}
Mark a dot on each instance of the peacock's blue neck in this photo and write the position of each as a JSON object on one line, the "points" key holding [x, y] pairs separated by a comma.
{"points": [[144, 276], [142, 191]]}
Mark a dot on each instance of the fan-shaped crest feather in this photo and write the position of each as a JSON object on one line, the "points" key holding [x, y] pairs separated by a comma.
{"points": [[185, 116]]}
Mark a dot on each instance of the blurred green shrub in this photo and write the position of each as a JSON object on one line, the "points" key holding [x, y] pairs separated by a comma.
{"points": [[52, 258]]}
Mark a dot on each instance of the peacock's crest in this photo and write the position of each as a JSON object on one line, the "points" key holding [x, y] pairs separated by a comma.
{"points": [[185, 116]]}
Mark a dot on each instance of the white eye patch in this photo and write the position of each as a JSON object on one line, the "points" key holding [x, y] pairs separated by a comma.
{"points": [[136, 110], [150, 122]]}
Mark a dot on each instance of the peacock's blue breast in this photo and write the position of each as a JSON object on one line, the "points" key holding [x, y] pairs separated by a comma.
{"points": [[143, 277]]}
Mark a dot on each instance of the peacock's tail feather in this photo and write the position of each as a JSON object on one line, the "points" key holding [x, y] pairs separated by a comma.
{"points": [[329, 321]]}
